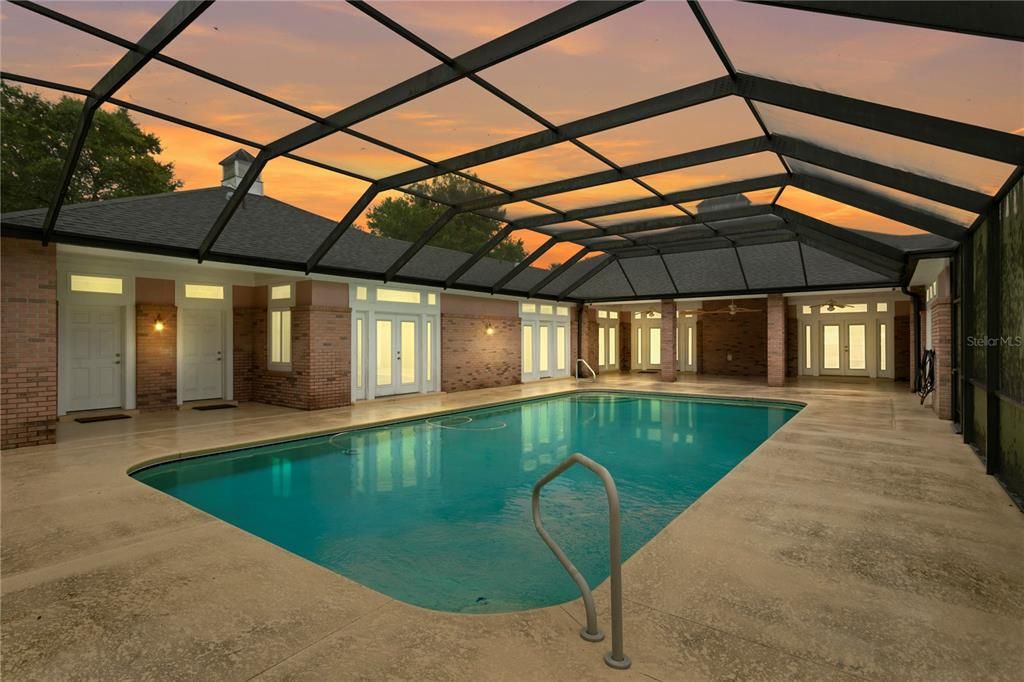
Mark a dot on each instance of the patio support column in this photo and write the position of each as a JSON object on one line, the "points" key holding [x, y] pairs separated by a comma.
{"points": [[940, 309], [776, 312], [668, 340], [588, 341]]}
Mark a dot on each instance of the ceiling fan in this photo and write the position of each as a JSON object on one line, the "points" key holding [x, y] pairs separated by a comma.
{"points": [[730, 309], [831, 304]]}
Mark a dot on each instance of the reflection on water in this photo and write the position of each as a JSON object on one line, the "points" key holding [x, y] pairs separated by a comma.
{"points": [[436, 512]]}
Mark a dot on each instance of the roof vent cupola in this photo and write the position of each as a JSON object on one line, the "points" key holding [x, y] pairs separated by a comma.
{"points": [[235, 167]]}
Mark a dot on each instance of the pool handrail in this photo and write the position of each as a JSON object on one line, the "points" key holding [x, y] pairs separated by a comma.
{"points": [[587, 365], [615, 658]]}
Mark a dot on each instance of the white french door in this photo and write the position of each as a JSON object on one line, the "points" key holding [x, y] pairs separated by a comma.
{"points": [[95, 369], [545, 349], [608, 346], [647, 343], [845, 348], [396, 361], [202, 354]]}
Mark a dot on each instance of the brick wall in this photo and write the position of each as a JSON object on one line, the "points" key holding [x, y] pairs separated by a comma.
{"points": [[744, 335], [901, 347], [625, 341], [320, 375], [156, 360], [792, 346], [669, 329], [776, 341], [28, 343], [470, 358], [590, 341]]}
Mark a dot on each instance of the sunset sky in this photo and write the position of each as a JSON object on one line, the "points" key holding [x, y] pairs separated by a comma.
{"points": [[324, 56]]}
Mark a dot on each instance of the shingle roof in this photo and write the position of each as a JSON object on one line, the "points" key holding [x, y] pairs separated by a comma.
{"points": [[266, 230]]}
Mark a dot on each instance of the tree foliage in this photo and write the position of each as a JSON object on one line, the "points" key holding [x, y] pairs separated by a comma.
{"points": [[406, 217], [117, 159]]}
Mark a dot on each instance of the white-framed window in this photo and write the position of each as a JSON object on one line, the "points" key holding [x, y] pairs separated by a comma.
{"points": [[96, 284], [209, 292], [281, 298], [545, 341]]}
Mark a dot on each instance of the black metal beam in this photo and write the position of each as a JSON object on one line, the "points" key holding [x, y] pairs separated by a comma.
{"points": [[420, 242], [176, 20], [844, 244], [880, 205], [993, 332], [534, 34], [523, 264], [659, 223], [721, 152], [964, 137], [558, 271], [342, 227], [631, 113], [923, 186], [718, 293], [724, 189], [978, 17], [586, 277], [496, 239]]}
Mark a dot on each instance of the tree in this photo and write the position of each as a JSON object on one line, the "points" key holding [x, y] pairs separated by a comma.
{"points": [[406, 217], [117, 159]]}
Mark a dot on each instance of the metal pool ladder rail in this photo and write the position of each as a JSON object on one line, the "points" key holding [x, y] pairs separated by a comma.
{"points": [[615, 658], [587, 365]]}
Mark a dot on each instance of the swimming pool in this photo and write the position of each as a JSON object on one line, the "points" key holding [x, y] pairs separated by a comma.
{"points": [[436, 512]]}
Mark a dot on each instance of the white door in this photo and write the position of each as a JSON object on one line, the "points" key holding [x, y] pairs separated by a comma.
{"points": [[396, 356], [202, 354], [529, 350], [844, 348], [95, 369]]}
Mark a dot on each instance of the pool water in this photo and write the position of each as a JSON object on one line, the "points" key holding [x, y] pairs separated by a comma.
{"points": [[436, 512]]}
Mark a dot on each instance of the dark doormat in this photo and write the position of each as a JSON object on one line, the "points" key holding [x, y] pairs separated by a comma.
{"points": [[218, 406], [102, 418]]}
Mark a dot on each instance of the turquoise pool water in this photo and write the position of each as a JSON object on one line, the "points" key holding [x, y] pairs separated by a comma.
{"points": [[436, 512]]}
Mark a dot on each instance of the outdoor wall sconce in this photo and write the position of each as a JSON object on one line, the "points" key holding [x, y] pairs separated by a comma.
{"points": [[489, 330], [158, 324]]}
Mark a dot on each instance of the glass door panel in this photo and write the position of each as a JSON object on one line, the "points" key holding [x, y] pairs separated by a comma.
{"points": [[544, 346], [613, 348], [654, 349], [831, 350], [406, 355], [856, 341], [528, 366], [384, 365], [560, 334]]}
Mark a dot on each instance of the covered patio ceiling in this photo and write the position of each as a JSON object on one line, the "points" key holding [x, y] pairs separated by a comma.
{"points": [[637, 150]]}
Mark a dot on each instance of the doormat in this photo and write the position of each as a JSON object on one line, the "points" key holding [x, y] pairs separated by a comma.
{"points": [[102, 418], [218, 406]]}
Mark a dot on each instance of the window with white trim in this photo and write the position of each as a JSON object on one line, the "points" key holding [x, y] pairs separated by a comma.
{"points": [[95, 284], [279, 326], [212, 292]]}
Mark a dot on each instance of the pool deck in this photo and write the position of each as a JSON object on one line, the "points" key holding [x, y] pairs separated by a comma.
{"points": [[862, 540]]}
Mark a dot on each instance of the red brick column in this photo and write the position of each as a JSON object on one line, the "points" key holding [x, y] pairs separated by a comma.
{"points": [[625, 341], [590, 330], [28, 336], [156, 357], [668, 341], [776, 313]]}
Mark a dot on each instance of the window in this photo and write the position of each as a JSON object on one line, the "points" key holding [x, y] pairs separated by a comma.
{"points": [[92, 284], [882, 307], [654, 352], [211, 292], [613, 347], [359, 352], [280, 337], [602, 313], [430, 341], [560, 347], [528, 307], [602, 345], [614, 315], [431, 299], [689, 346], [398, 296], [360, 293], [806, 310], [281, 292], [527, 349], [547, 310], [807, 346], [882, 364], [562, 311]]}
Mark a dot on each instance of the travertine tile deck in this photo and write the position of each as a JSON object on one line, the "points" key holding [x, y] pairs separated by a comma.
{"points": [[862, 540]]}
